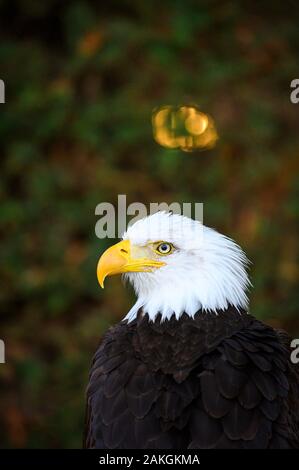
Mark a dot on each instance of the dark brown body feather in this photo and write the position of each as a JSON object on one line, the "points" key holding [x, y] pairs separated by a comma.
{"points": [[215, 381]]}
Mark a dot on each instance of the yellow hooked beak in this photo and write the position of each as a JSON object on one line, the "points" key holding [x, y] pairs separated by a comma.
{"points": [[119, 259]]}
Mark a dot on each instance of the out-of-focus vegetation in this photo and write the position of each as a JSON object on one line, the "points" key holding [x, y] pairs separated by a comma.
{"points": [[82, 79]]}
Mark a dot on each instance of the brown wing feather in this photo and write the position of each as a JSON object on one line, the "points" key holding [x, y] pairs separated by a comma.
{"points": [[220, 381], [246, 395]]}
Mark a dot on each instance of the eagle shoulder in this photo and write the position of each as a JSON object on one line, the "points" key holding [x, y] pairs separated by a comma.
{"points": [[203, 383]]}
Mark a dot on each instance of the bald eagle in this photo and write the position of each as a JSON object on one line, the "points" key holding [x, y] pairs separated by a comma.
{"points": [[188, 367]]}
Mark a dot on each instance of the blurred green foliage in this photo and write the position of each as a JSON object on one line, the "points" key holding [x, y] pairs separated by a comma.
{"points": [[82, 79]]}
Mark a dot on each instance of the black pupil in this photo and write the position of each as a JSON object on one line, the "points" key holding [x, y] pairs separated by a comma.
{"points": [[164, 247]]}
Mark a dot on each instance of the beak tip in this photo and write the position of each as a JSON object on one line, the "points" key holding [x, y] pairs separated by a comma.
{"points": [[101, 281]]}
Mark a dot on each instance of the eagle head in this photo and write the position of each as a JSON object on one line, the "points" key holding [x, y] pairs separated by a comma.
{"points": [[177, 265]]}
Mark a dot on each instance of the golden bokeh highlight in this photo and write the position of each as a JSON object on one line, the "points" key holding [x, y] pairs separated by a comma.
{"points": [[184, 127]]}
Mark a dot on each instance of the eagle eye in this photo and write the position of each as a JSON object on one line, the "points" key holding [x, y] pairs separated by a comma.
{"points": [[164, 248]]}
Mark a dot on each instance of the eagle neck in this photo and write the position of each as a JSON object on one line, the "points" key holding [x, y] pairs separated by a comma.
{"points": [[172, 344]]}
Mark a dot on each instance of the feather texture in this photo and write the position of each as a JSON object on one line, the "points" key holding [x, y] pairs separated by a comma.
{"points": [[215, 381]]}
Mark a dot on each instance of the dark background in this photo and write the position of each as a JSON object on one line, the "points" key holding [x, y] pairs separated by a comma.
{"points": [[82, 80]]}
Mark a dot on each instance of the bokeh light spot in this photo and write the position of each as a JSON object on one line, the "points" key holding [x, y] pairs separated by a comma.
{"points": [[184, 127]]}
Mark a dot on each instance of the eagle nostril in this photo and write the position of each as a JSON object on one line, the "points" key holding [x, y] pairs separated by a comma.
{"points": [[123, 251]]}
